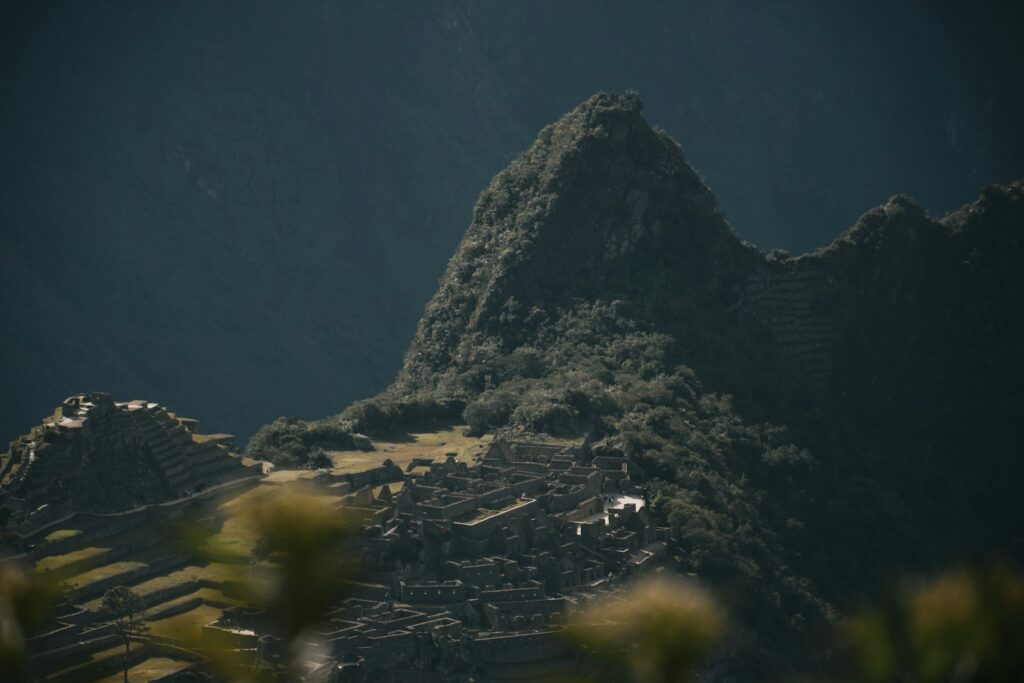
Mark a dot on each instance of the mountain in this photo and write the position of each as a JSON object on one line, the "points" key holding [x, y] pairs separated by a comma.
{"points": [[601, 206], [244, 213], [811, 426]]}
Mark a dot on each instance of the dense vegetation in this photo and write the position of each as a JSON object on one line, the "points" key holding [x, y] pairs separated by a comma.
{"points": [[291, 442], [599, 293]]}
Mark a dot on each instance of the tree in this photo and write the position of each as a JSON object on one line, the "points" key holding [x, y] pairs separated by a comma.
{"points": [[125, 608]]}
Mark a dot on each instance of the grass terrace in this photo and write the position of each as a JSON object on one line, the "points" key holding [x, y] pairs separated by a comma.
{"points": [[203, 438], [103, 572], [213, 572], [55, 562], [62, 534], [148, 669], [88, 670], [235, 540]]}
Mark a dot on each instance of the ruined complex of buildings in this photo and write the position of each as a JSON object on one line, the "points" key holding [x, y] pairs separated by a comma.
{"points": [[95, 455], [472, 568]]}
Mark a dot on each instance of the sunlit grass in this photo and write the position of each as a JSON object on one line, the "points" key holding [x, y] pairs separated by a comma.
{"points": [[103, 572], [187, 626], [54, 562], [62, 534], [203, 438], [148, 669]]}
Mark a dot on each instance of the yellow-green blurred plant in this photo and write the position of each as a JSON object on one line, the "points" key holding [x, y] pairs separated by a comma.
{"points": [[658, 630], [25, 600], [306, 539], [964, 626], [303, 552]]}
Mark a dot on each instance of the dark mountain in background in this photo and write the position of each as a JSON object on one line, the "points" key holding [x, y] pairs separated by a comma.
{"points": [[812, 426], [240, 213]]}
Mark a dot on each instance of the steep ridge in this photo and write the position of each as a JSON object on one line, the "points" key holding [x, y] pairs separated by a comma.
{"points": [[902, 308], [604, 208], [810, 426], [600, 206]]}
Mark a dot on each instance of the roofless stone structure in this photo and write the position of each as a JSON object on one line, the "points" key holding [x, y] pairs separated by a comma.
{"points": [[97, 455]]}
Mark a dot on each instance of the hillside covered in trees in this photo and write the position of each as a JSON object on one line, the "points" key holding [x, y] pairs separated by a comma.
{"points": [[811, 426]]}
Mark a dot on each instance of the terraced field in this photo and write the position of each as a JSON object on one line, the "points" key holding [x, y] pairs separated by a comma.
{"points": [[62, 534], [56, 562], [103, 572], [147, 670], [105, 667], [184, 594]]}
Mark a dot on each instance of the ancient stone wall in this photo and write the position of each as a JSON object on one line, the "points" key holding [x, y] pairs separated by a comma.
{"points": [[794, 306], [97, 455]]}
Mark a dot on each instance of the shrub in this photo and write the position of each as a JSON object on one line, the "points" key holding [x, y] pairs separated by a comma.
{"points": [[490, 411]]}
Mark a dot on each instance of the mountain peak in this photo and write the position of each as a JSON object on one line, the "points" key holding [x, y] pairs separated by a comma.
{"points": [[602, 207]]}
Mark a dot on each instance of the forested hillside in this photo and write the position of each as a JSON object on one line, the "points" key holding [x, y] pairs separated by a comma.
{"points": [[811, 426]]}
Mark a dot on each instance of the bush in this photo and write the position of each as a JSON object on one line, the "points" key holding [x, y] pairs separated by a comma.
{"points": [[546, 415], [490, 411], [318, 459], [289, 442]]}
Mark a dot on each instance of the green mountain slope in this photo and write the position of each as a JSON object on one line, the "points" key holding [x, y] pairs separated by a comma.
{"points": [[812, 426]]}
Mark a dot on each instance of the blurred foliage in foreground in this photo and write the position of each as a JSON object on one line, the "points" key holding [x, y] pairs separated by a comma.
{"points": [[962, 627], [304, 538], [657, 631], [25, 601]]}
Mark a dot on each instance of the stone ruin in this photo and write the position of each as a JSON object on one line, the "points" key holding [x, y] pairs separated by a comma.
{"points": [[97, 455], [471, 569]]}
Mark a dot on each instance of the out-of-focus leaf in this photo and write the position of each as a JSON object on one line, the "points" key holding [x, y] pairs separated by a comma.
{"points": [[25, 600], [657, 630]]}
